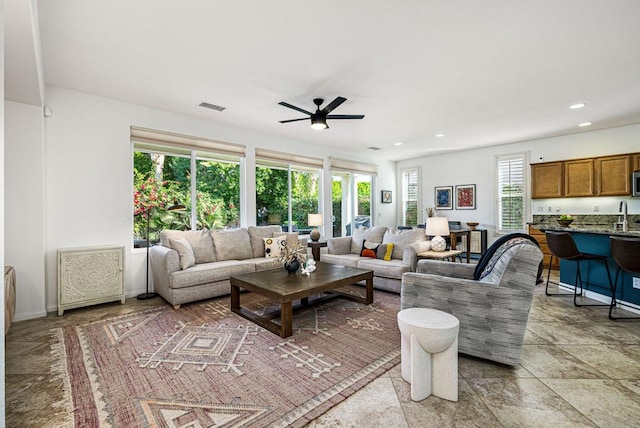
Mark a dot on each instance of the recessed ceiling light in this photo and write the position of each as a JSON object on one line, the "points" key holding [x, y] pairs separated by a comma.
{"points": [[399, 143], [577, 106], [439, 135], [584, 124]]}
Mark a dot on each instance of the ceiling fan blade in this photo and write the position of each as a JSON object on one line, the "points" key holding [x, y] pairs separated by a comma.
{"points": [[333, 104], [293, 120], [282, 103], [345, 116]]}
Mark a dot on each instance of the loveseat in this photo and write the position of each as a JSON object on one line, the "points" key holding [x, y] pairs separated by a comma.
{"points": [[369, 248], [196, 264]]}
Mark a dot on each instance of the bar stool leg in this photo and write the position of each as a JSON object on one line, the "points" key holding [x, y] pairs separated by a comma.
{"points": [[546, 289], [613, 299]]}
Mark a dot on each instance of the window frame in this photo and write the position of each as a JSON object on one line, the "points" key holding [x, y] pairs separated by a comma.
{"points": [[523, 157], [404, 194]]}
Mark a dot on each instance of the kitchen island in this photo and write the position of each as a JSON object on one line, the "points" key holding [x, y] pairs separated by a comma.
{"points": [[595, 239]]}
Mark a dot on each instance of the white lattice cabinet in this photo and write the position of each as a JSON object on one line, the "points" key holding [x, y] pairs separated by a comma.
{"points": [[89, 276]]}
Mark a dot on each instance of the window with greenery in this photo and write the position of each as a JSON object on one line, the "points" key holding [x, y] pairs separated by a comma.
{"points": [[286, 194], [511, 187], [410, 194], [351, 202], [207, 184]]}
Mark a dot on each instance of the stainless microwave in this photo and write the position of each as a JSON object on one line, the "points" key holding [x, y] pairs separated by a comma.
{"points": [[635, 179]]}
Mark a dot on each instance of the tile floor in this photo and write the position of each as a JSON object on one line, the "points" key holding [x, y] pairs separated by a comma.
{"points": [[578, 368]]}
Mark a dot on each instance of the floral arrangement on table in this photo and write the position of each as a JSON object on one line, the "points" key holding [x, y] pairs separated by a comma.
{"points": [[292, 256]]}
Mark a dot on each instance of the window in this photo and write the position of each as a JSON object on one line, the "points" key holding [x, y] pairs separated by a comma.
{"points": [[352, 194], [203, 175], [287, 189], [410, 195], [511, 185]]}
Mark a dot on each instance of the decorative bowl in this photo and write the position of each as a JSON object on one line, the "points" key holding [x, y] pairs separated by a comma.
{"points": [[472, 224], [564, 223]]}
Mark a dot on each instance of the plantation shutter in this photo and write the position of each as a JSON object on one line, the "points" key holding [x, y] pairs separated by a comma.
{"points": [[511, 185], [410, 194]]}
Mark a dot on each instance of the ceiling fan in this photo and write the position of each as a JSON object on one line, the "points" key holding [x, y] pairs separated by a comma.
{"points": [[319, 118]]}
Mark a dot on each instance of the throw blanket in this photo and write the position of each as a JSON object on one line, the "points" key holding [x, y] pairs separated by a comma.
{"points": [[510, 240]]}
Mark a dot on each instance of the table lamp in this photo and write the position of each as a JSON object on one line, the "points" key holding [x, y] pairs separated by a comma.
{"points": [[315, 220], [436, 227]]}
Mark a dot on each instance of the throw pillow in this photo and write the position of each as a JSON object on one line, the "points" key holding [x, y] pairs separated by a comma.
{"points": [[292, 237], [373, 234], [384, 251], [369, 249], [257, 233], [182, 246], [402, 238], [273, 246]]}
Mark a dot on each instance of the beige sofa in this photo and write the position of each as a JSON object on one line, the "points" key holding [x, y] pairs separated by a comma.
{"points": [[217, 254], [346, 251]]}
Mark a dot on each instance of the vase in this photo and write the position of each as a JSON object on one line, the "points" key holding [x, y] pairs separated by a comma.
{"points": [[292, 266]]}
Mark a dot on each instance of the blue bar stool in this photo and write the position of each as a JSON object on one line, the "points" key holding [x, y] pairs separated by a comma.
{"points": [[562, 246], [626, 253]]}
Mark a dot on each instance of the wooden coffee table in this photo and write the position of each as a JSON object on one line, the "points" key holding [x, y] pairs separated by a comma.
{"points": [[285, 288]]}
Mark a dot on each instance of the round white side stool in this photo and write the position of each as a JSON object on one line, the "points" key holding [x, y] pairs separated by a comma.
{"points": [[429, 347]]}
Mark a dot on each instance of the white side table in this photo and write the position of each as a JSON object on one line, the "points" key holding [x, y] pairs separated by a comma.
{"points": [[429, 347]]}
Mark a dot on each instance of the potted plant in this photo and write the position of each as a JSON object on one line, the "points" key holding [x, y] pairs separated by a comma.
{"points": [[292, 257]]}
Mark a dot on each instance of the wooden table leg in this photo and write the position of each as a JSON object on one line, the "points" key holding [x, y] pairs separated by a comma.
{"points": [[235, 298], [286, 319], [369, 299]]}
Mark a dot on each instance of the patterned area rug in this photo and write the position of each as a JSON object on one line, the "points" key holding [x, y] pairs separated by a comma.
{"points": [[203, 366]]}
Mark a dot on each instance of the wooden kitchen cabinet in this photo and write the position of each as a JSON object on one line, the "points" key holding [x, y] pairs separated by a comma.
{"points": [[547, 180], [613, 175], [578, 178], [635, 159], [546, 254]]}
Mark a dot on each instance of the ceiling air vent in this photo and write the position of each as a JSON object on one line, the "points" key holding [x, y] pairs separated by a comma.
{"points": [[211, 106], [373, 148]]}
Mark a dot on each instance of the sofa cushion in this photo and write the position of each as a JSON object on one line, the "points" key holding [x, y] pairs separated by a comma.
{"points": [[273, 246], [232, 244], [384, 251], [256, 235], [182, 246], [200, 241], [350, 260], [209, 272], [402, 238], [373, 234], [369, 249], [385, 269]]}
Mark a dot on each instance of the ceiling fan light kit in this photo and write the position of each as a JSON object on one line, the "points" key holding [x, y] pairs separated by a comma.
{"points": [[319, 118]]}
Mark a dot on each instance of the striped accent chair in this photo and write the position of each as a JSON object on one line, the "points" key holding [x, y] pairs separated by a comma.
{"points": [[492, 305]]}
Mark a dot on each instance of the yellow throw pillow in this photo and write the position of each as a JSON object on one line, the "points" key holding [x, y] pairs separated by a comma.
{"points": [[385, 251]]}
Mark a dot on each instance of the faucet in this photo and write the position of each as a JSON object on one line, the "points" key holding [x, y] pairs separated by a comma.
{"points": [[624, 222]]}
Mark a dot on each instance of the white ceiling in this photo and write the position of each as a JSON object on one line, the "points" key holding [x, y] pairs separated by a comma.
{"points": [[480, 72]]}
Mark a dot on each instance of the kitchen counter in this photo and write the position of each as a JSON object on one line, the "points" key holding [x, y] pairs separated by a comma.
{"points": [[594, 238]]}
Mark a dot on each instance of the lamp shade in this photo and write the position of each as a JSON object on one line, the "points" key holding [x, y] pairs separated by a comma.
{"points": [[437, 226], [315, 219]]}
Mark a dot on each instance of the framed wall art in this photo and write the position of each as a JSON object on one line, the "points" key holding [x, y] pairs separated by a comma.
{"points": [[466, 197], [386, 196], [444, 197]]}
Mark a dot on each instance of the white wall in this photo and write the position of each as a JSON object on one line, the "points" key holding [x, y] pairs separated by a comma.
{"points": [[88, 167], [24, 197], [478, 167]]}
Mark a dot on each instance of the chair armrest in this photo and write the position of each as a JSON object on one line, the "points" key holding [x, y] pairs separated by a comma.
{"points": [[339, 245], [457, 295], [450, 269]]}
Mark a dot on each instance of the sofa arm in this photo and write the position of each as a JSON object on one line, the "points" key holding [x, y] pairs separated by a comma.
{"points": [[409, 255], [454, 270], [164, 261], [339, 245]]}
